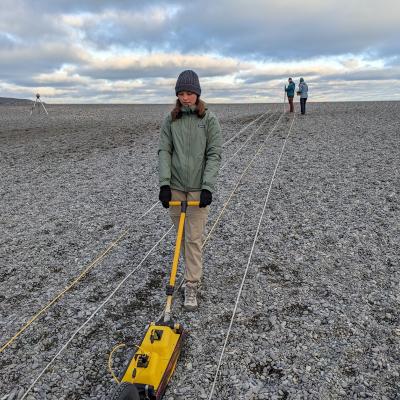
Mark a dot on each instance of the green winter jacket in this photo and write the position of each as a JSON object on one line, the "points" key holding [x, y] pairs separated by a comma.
{"points": [[290, 89], [189, 152]]}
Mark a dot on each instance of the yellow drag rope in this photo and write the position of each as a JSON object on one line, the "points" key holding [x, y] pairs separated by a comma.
{"points": [[118, 346]]}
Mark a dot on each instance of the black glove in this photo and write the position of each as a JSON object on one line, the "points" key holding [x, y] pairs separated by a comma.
{"points": [[165, 195], [205, 198]]}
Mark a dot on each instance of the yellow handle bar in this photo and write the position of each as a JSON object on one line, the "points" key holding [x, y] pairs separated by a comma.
{"points": [[189, 203]]}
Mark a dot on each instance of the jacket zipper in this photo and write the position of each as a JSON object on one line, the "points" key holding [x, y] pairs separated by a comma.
{"points": [[189, 120]]}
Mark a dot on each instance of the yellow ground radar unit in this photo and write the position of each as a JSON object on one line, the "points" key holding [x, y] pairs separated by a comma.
{"points": [[150, 369]]}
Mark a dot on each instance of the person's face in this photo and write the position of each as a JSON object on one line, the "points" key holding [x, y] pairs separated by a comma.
{"points": [[187, 98]]}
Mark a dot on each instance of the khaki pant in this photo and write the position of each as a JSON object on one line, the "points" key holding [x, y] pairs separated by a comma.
{"points": [[192, 240]]}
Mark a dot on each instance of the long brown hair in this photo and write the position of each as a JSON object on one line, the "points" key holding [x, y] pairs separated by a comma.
{"points": [[176, 113]]}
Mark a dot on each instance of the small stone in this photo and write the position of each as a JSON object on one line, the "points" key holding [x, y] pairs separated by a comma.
{"points": [[359, 389], [20, 393], [12, 395]]}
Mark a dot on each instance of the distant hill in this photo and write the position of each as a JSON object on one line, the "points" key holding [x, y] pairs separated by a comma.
{"points": [[14, 102]]}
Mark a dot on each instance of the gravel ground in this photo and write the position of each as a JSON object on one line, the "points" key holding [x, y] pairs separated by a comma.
{"points": [[318, 315]]}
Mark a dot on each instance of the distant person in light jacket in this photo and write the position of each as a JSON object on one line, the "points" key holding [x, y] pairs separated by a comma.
{"points": [[303, 93], [290, 93]]}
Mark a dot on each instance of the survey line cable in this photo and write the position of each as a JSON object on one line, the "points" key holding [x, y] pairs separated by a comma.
{"points": [[94, 263], [244, 129], [240, 179], [248, 263], [245, 143], [121, 283], [66, 289]]}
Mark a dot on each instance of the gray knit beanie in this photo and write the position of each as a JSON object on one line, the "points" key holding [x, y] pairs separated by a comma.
{"points": [[188, 81]]}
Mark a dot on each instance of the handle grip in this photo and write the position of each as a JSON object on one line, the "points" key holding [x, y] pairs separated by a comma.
{"points": [[189, 203]]}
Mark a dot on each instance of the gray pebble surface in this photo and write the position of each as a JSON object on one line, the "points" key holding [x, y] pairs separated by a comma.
{"points": [[318, 315]]}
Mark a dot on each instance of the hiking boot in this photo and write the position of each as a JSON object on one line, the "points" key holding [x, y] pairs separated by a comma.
{"points": [[183, 285], [190, 303]]}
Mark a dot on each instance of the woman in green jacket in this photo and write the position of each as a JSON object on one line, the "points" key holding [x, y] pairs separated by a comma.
{"points": [[189, 159]]}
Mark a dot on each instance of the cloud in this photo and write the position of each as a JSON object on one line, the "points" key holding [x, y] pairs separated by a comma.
{"points": [[146, 30], [247, 29], [20, 63], [367, 75], [26, 25], [144, 66], [7, 41], [74, 6], [289, 30], [241, 49]]}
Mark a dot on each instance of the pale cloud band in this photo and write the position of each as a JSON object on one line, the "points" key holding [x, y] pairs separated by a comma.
{"points": [[132, 51]]}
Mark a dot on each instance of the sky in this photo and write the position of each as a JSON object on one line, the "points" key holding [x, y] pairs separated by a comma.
{"points": [[131, 51]]}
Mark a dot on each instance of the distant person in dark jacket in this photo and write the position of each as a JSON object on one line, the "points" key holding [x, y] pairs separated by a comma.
{"points": [[303, 93], [290, 93]]}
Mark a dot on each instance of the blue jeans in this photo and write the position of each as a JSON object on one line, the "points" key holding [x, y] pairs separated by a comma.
{"points": [[303, 105]]}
